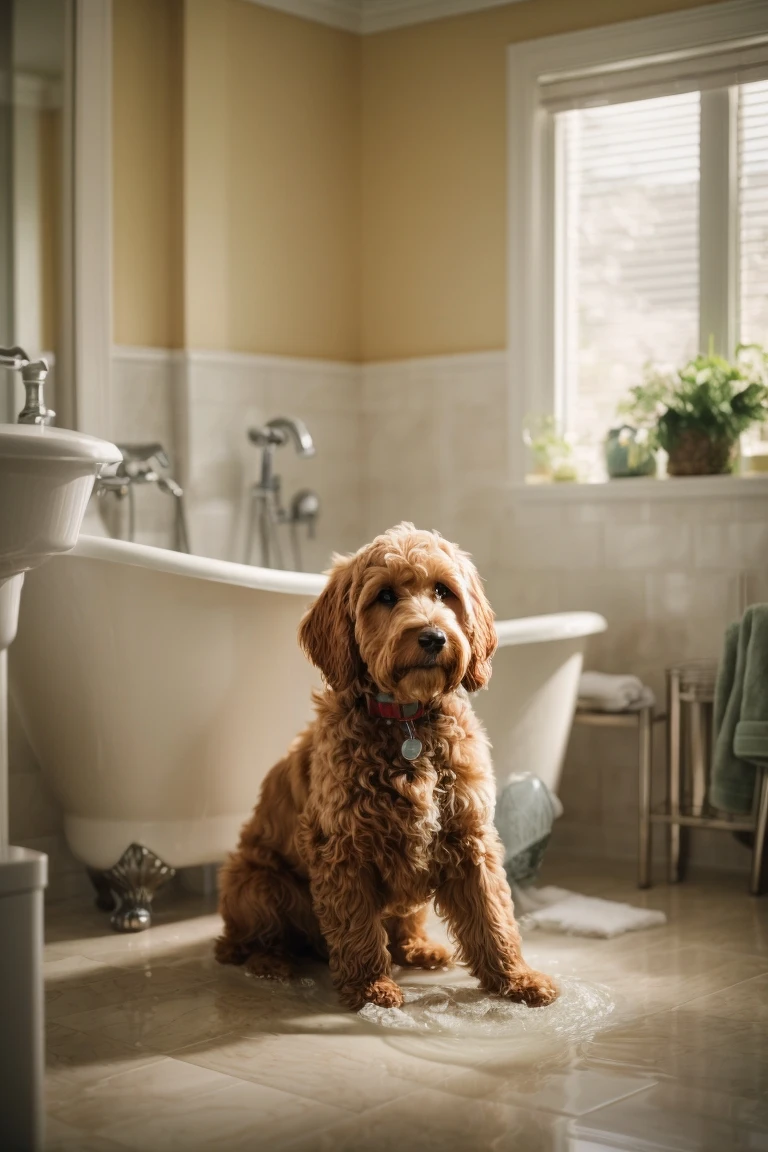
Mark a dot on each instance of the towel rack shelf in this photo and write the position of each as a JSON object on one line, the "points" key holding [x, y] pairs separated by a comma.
{"points": [[690, 697], [694, 820], [690, 694]]}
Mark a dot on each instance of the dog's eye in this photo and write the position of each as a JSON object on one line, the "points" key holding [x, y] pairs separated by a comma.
{"points": [[386, 596], [441, 591]]}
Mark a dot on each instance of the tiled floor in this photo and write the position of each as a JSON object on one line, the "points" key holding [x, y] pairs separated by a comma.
{"points": [[153, 1047]]}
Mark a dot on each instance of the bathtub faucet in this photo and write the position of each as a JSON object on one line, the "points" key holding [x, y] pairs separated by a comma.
{"points": [[266, 511], [33, 374], [146, 464]]}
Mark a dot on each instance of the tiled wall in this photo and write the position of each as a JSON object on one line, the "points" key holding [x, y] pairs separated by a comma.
{"points": [[667, 563], [225, 395]]}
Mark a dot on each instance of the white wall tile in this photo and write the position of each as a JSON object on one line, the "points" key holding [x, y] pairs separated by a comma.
{"points": [[735, 545], [637, 547]]}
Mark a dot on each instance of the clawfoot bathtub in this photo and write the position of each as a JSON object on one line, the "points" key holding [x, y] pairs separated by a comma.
{"points": [[157, 689]]}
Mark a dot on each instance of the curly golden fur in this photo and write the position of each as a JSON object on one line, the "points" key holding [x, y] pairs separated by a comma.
{"points": [[349, 841]]}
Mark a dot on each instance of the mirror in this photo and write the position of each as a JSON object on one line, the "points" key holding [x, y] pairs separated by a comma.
{"points": [[35, 87]]}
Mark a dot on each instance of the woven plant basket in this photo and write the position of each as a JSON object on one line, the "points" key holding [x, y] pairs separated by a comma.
{"points": [[694, 453]]}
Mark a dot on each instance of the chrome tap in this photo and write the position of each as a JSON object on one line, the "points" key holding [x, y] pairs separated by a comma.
{"points": [[33, 374], [266, 510], [140, 465]]}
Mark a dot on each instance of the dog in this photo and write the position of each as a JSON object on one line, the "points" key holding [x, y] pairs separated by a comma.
{"points": [[385, 802]]}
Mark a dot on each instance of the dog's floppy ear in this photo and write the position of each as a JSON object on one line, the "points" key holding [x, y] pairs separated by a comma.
{"points": [[327, 632], [482, 636]]}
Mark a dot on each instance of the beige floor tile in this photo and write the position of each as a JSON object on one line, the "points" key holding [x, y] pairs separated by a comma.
{"points": [[112, 986], [174, 1019], [571, 1093], [72, 967], [747, 1001], [263, 1065], [680, 1119], [691, 1048], [354, 1072], [239, 1118], [436, 1121], [660, 978], [76, 1058], [60, 1137], [159, 1086]]}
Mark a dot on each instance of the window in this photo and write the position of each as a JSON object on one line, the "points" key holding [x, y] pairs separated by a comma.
{"points": [[753, 213], [630, 259], [638, 209]]}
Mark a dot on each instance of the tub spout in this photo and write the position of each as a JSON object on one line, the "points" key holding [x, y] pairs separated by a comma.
{"points": [[280, 430]]}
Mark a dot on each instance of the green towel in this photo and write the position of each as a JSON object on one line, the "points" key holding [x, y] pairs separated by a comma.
{"points": [[741, 713]]}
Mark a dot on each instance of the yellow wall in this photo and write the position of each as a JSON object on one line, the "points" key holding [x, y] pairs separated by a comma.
{"points": [[434, 173], [146, 172], [338, 196], [272, 143]]}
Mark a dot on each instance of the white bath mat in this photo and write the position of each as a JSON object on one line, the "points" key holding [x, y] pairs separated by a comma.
{"points": [[558, 910]]}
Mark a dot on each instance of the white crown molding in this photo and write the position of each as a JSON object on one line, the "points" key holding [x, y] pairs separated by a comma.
{"points": [[380, 15], [367, 16], [344, 14]]}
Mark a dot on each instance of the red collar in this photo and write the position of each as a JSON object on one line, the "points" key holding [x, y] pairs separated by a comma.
{"points": [[385, 708]]}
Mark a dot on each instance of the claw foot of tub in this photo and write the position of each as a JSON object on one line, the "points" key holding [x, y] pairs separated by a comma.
{"points": [[127, 889]]}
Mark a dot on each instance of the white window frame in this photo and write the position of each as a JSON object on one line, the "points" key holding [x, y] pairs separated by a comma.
{"points": [[609, 55]]}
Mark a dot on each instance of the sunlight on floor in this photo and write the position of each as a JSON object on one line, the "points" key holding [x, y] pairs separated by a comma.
{"points": [[660, 1041]]}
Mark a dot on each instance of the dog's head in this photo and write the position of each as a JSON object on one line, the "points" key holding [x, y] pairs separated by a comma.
{"points": [[406, 614]]}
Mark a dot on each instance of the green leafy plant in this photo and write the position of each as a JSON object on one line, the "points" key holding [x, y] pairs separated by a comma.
{"points": [[710, 397], [552, 453]]}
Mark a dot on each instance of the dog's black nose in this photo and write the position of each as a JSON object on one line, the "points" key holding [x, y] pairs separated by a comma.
{"points": [[432, 640]]}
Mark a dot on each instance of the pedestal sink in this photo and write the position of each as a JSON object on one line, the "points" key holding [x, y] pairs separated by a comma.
{"points": [[46, 477]]}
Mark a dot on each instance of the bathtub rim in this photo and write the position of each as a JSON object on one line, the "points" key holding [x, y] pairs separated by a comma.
{"points": [[199, 567], [512, 632], [552, 627]]}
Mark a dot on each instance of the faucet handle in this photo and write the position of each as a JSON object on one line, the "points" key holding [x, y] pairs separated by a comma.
{"points": [[14, 357], [305, 509], [33, 375]]}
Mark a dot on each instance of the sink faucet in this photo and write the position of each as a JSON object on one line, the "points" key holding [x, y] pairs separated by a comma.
{"points": [[266, 509], [33, 374]]}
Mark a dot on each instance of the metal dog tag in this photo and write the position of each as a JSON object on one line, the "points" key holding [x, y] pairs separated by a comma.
{"points": [[411, 748]]}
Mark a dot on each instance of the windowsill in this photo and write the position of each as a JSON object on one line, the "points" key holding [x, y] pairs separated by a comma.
{"points": [[640, 488]]}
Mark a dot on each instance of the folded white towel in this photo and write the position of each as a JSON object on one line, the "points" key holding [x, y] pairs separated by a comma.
{"points": [[602, 692], [557, 910]]}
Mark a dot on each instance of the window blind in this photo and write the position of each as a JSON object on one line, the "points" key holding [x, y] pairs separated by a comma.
{"points": [[629, 249], [753, 213], [711, 67]]}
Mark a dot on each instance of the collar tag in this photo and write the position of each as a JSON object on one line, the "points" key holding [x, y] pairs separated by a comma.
{"points": [[411, 747]]}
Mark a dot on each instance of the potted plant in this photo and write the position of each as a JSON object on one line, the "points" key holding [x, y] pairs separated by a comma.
{"points": [[552, 453], [698, 413], [629, 452]]}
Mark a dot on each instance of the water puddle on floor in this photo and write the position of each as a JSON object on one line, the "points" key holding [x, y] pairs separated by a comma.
{"points": [[446, 1010], [451, 1021]]}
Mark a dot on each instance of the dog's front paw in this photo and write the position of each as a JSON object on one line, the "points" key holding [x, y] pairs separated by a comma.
{"points": [[422, 954], [382, 992], [530, 987]]}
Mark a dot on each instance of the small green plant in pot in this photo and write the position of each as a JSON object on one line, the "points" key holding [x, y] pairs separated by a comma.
{"points": [[552, 452], [698, 413]]}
